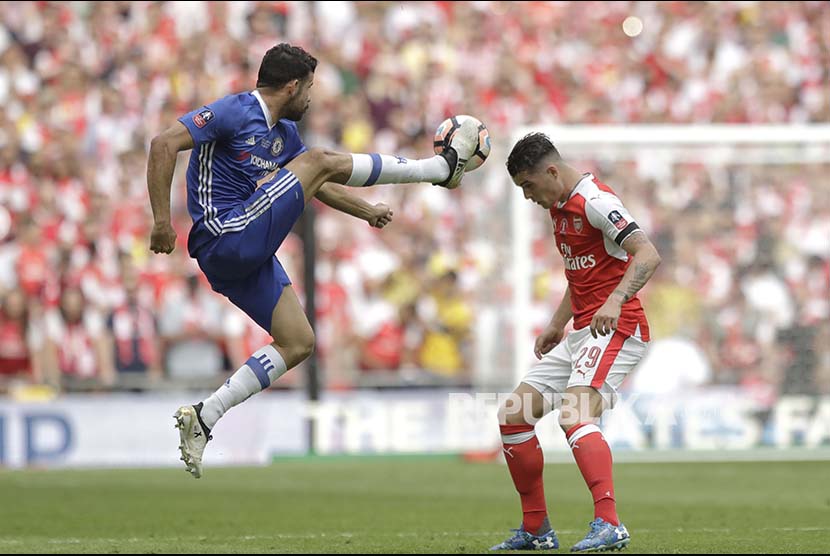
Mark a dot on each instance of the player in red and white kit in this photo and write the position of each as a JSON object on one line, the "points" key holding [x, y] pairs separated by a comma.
{"points": [[608, 258]]}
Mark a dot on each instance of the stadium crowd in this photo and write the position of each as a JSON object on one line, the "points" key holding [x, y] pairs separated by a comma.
{"points": [[84, 86]]}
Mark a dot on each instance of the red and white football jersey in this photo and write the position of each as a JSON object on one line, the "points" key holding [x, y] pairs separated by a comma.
{"points": [[589, 229]]}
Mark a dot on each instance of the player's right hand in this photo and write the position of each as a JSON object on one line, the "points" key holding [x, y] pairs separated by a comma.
{"points": [[548, 340], [163, 238], [381, 216]]}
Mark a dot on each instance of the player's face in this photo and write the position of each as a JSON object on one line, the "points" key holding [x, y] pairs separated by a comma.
{"points": [[301, 100], [544, 186]]}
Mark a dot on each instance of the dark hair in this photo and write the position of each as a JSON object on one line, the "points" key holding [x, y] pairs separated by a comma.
{"points": [[284, 63], [529, 151]]}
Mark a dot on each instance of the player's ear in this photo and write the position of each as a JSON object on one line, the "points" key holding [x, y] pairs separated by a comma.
{"points": [[552, 170]]}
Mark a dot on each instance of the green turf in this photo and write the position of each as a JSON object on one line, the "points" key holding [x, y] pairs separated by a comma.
{"points": [[395, 505]]}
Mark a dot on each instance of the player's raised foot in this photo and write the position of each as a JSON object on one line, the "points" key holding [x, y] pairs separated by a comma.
{"points": [[522, 540], [462, 146], [193, 435], [603, 536]]}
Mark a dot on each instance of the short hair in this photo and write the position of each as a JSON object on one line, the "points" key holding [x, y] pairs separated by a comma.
{"points": [[529, 151], [284, 63]]}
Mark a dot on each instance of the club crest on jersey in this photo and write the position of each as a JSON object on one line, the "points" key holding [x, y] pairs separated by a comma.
{"points": [[617, 220], [203, 118], [578, 223], [277, 147]]}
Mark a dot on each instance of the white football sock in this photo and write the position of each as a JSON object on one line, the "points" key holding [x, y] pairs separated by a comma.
{"points": [[369, 169], [259, 371]]}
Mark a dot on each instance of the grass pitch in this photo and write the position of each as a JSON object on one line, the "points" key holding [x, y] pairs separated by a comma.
{"points": [[407, 505]]}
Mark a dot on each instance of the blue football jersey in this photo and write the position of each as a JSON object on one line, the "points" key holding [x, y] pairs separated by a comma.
{"points": [[236, 144]]}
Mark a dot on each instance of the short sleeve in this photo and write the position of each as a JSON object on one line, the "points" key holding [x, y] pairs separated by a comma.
{"points": [[606, 212], [215, 121]]}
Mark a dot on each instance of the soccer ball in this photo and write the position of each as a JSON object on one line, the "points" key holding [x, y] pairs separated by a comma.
{"points": [[445, 131]]}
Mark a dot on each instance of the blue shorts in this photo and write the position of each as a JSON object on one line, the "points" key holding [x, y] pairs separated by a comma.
{"points": [[240, 263]]}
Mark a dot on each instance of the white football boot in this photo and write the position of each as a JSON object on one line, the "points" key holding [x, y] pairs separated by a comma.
{"points": [[194, 437]]}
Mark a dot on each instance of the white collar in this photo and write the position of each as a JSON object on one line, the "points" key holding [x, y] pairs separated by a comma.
{"points": [[577, 187], [264, 108]]}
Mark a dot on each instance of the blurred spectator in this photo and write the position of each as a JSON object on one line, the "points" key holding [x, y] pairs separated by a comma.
{"points": [[32, 262], [78, 352], [190, 326], [85, 85], [134, 332], [672, 365], [379, 332], [449, 317], [21, 358]]}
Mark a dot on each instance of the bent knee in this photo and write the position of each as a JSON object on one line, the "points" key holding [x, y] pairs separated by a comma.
{"points": [[303, 347], [298, 349], [325, 158], [315, 155], [321, 165], [516, 419], [306, 346], [568, 420]]}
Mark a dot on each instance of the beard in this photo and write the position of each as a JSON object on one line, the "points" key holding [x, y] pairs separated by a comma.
{"points": [[296, 113]]}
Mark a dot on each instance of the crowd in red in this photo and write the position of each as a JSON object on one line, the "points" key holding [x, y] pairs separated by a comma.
{"points": [[84, 87]]}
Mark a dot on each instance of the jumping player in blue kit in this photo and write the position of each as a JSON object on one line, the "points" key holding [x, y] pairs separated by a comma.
{"points": [[248, 180]]}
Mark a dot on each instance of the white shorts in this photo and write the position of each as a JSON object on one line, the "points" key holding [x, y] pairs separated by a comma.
{"points": [[582, 360]]}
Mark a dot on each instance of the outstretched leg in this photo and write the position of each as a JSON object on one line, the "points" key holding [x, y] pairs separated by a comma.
{"points": [[318, 166]]}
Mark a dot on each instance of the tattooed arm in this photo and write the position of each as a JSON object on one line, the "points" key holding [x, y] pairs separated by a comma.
{"points": [[645, 261]]}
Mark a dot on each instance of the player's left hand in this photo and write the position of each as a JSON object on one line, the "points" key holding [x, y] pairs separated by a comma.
{"points": [[605, 320], [381, 216]]}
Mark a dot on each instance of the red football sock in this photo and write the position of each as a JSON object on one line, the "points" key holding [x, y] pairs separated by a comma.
{"points": [[593, 456], [526, 463]]}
